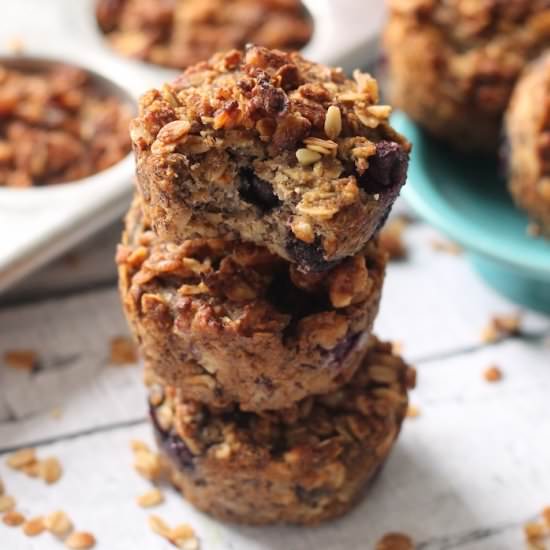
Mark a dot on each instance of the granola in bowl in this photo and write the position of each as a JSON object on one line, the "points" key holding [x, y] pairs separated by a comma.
{"points": [[180, 33], [57, 124]]}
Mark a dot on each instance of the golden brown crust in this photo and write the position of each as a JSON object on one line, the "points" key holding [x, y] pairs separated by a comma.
{"points": [[179, 33], [453, 64], [270, 148], [226, 321], [528, 138], [304, 464]]}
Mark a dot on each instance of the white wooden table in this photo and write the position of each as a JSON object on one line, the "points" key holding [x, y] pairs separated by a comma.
{"points": [[467, 473]]}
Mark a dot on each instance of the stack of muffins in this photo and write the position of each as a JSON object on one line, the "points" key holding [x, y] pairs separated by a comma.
{"points": [[251, 276]]}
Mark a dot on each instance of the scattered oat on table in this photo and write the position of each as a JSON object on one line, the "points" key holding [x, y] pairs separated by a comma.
{"points": [[182, 536], [22, 359], [391, 238], [34, 526], [21, 458], [395, 541], [413, 411], [501, 327], [80, 540], [492, 374], [123, 351], [50, 470], [146, 462], [15, 45], [446, 246], [151, 498], [7, 503], [159, 526], [397, 347], [26, 461], [13, 518], [56, 413], [58, 523]]}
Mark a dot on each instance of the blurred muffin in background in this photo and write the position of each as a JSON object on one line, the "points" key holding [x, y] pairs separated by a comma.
{"points": [[453, 63], [57, 126], [179, 33], [527, 151]]}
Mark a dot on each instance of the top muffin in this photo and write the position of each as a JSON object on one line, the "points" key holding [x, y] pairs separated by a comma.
{"points": [[267, 147], [453, 63]]}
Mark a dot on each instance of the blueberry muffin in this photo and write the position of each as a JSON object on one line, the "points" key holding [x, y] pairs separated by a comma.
{"points": [[304, 464], [527, 151], [453, 63], [266, 147], [180, 33], [226, 321]]}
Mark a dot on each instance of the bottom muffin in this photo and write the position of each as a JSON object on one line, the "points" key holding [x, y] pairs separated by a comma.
{"points": [[528, 143], [301, 465]]}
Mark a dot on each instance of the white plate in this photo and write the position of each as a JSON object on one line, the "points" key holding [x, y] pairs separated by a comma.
{"points": [[38, 224]]}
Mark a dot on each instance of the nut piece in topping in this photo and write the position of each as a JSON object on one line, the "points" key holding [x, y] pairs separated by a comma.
{"points": [[2, 488], [21, 359], [58, 523], [333, 122], [492, 374], [123, 351], [151, 498], [7, 503], [80, 540], [21, 458], [50, 470], [395, 541], [13, 518], [34, 526], [307, 156]]}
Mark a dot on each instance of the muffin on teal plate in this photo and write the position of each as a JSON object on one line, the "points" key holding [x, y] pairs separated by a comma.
{"points": [[466, 198]]}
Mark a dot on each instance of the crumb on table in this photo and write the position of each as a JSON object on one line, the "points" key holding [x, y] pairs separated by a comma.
{"points": [[123, 351]]}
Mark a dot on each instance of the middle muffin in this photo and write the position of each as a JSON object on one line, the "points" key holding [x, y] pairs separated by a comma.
{"points": [[226, 321]]}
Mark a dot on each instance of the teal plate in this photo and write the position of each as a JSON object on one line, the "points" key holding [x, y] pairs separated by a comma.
{"points": [[464, 197]]}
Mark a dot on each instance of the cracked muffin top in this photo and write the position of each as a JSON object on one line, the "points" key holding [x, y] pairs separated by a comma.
{"points": [[291, 136], [276, 99]]}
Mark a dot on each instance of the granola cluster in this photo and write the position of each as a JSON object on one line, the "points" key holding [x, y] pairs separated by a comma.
{"points": [[527, 154], [307, 462], [207, 309], [56, 126], [179, 33], [461, 61]]}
